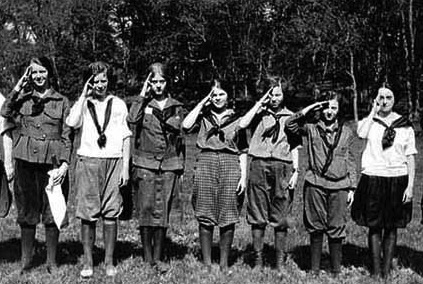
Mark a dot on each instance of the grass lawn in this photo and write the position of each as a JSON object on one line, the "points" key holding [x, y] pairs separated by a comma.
{"points": [[183, 253]]}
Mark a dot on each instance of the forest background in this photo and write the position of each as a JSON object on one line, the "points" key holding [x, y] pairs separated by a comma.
{"points": [[352, 46]]}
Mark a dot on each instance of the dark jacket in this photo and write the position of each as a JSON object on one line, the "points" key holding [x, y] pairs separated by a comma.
{"points": [[41, 134], [340, 170], [157, 137]]}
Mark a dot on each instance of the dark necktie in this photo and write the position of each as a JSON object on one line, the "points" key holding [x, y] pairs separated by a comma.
{"points": [[102, 139], [38, 105], [331, 146]]}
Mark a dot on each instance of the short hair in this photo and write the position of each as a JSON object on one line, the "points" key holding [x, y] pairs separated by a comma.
{"points": [[342, 102], [52, 76], [98, 67]]}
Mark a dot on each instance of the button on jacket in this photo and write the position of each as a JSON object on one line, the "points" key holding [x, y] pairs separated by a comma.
{"points": [[41, 135], [157, 139]]}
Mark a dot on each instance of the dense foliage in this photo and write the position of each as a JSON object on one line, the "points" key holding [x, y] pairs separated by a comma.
{"points": [[353, 45]]}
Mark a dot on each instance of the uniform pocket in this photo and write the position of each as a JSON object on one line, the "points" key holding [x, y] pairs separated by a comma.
{"points": [[53, 113]]}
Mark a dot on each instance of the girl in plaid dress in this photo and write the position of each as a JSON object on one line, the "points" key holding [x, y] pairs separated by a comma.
{"points": [[221, 171]]}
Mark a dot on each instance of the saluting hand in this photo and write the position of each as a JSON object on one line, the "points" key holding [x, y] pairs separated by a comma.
{"points": [[265, 98], [88, 87], [23, 81], [314, 107], [375, 107], [146, 86], [206, 101]]}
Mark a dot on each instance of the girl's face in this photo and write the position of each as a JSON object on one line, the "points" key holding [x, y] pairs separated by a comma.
{"points": [[386, 100], [158, 84], [100, 83], [39, 75], [219, 98], [275, 98], [331, 112]]}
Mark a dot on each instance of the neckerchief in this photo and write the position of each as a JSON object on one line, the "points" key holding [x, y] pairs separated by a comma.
{"points": [[331, 147], [38, 104], [273, 131], [163, 116], [390, 133], [101, 141], [218, 129]]}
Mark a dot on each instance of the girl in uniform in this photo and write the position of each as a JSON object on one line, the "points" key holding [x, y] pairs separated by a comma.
{"points": [[383, 201], [330, 178], [221, 171], [41, 142], [102, 164], [273, 171], [158, 156]]}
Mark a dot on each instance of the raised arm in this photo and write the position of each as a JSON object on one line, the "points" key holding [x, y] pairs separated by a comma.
{"points": [[136, 112], [75, 117], [248, 117], [9, 106], [294, 124], [191, 118], [363, 126]]}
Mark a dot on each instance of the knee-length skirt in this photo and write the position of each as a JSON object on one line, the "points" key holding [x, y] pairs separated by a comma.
{"points": [[378, 202]]}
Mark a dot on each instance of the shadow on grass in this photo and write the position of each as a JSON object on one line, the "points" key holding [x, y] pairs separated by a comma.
{"points": [[353, 255], [410, 258], [358, 256], [269, 255], [68, 252]]}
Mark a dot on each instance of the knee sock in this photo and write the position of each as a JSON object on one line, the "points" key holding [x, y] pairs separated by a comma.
{"points": [[226, 239]]}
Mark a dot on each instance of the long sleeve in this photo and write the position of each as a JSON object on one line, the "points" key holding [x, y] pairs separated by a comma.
{"points": [[136, 111], [65, 155], [75, 116], [295, 128], [9, 106], [363, 127]]}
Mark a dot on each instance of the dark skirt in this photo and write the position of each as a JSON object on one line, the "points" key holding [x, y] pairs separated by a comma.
{"points": [[378, 202], [154, 191]]}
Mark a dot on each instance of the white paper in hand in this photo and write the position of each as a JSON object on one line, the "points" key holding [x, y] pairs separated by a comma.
{"points": [[56, 200]]}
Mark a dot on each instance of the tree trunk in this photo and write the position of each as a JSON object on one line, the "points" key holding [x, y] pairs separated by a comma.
{"points": [[407, 65], [353, 87]]}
